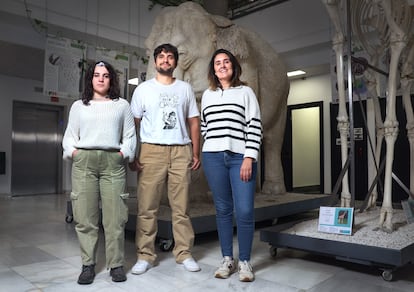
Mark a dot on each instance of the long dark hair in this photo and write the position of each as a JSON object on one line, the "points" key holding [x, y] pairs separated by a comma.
{"points": [[114, 90], [237, 71]]}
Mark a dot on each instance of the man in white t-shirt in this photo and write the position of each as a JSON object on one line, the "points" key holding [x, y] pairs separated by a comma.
{"points": [[167, 117]]}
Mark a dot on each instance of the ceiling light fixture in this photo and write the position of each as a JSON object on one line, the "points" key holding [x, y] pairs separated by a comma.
{"points": [[295, 73]]}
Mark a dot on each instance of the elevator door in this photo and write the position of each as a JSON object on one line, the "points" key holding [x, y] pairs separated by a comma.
{"points": [[36, 149]]}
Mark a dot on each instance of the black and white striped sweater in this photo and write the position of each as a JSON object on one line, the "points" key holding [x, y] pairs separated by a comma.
{"points": [[231, 121]]}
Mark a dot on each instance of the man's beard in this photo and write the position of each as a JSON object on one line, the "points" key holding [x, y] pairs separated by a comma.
{"points": [[167, 72]]}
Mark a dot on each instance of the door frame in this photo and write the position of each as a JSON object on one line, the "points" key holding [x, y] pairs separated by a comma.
{"points": [[287, 155]]}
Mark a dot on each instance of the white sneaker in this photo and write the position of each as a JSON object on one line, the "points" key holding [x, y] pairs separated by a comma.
{"points": [[140, 267], [245, 272], [191, 265], [226, 269]]}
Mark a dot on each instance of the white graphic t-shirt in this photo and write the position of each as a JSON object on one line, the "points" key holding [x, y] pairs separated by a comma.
{"points": [[163, 110]]}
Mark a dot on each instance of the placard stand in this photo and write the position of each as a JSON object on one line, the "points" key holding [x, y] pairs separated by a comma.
{"points": [[347, 248]]}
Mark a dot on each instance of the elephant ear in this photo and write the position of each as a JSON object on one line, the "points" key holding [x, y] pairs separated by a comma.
{"points": [[230, 37]]}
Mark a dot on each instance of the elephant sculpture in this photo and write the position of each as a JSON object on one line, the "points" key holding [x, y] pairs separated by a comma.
{"points": [[197, 34]]}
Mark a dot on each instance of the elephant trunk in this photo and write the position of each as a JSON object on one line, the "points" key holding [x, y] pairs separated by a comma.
{"points": [[179, 73]]}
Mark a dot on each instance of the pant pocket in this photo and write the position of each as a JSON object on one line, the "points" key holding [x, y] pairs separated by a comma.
{"points": [[124, 207], [75, 205]]}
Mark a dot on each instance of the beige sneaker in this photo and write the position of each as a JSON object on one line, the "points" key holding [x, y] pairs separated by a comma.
{"points": [[245, 272], [226, 269]]}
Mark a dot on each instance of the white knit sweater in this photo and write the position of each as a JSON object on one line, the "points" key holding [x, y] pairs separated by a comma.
{"points": [[105, 125]]}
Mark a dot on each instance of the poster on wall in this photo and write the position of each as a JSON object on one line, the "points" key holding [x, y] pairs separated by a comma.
{"points": [[63, 70], [120, 61]]}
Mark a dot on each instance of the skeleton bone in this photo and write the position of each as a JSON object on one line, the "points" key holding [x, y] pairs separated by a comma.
{"points": [[391, 21]]}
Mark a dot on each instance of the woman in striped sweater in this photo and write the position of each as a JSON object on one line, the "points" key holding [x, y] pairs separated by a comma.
{"points": [[232, 132]]}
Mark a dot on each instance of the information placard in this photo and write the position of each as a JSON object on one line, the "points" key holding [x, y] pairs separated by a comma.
{"points": [[336, 220]]}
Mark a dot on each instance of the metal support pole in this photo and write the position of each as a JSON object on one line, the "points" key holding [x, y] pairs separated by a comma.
{"points": [[350, 104]]}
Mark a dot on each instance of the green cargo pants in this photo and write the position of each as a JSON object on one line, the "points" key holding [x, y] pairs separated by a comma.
{"points": [[99, 175]]}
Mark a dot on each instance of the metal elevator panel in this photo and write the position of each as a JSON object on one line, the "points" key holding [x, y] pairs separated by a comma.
{"points": [[36, 149]]}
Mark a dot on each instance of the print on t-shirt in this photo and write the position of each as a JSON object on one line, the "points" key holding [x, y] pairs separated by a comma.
{"points": [[169, 104]]}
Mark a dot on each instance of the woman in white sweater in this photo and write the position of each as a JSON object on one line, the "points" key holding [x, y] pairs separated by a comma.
{"points": [[99, 138], [232, 131]]}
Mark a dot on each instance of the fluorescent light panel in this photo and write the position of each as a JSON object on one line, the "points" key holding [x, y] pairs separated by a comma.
{"points": [[133, 81], [295, 73]]}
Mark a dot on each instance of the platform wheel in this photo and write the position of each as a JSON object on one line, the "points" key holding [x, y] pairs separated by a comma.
{"points": [[387, 275], [166, 244], [273, 251], [68, 219]]}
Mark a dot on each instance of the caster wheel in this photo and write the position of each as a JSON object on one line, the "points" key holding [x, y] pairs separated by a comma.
{"points": [[387, 275], [68, 219], [273, 251], [166, 244]]}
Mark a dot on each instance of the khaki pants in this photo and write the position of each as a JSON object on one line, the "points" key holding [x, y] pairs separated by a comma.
{"points": [[99, 175], [162, 165]]}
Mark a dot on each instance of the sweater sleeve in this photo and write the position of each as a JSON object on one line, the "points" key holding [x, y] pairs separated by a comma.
{"points": [[203, 124], [129, 139], [254, 125], [71, 136]]}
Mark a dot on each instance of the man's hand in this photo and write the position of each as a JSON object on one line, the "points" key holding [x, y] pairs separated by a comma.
{"points": [[196, 163], [135, 165]]}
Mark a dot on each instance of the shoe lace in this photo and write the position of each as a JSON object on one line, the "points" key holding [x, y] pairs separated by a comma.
{"points": [[117, 270], [87, 268], [227, 262], [245, 266]]}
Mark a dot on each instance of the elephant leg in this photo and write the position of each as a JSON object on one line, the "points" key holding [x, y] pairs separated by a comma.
{"points": [[343, 127], [406, 84], [386, 213], [397, 44], [379, 127], [273, 172], [334, 11]]}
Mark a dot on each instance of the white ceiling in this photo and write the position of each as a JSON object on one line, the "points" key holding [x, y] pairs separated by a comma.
{"points": [[298, 29]]}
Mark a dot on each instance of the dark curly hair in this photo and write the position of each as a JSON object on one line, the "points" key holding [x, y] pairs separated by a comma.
{"points": [[237, 71], [167, 48], [114, 89]]}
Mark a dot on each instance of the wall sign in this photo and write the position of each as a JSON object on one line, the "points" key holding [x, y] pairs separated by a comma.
{"points": [[63, 70]]}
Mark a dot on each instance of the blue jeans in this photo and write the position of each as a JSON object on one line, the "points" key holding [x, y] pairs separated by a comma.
{"points": [[222, 170]]}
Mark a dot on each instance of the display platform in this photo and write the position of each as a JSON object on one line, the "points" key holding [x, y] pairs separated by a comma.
{"points": [[267, 207], [387, 251]]}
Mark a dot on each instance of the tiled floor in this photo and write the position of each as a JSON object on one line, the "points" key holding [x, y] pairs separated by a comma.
{"points": [[39, 252]]}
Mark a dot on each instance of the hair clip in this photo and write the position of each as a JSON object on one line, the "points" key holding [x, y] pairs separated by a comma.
{"points": [[100, 64]]}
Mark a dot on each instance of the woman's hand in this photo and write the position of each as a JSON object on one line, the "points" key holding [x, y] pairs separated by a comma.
{"points": [[246, 169], [74, 153]]}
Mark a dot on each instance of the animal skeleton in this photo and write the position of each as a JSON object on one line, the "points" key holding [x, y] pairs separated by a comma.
{"points": [[378, 24]]}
